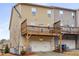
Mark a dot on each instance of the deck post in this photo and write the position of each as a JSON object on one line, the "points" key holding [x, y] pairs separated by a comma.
{"points": [[54, 41], [27, 41], [60, 42]]}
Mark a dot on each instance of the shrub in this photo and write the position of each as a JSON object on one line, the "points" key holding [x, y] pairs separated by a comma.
{"points": [[23, 52], [6, 49]]}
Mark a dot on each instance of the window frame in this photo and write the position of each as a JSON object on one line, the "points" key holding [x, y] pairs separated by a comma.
{"points": [[61, 12], [49, 13], [73, 15], [34, 11]]}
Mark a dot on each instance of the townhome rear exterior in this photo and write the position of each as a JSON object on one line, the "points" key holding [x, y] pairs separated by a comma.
{"points": [[30, 27]]}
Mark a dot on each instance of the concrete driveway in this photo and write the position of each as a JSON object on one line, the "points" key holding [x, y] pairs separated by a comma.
{"points": [[68, 53], [72, 53], [49, 54]]}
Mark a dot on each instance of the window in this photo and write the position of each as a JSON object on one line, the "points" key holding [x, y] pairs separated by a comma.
{"points": [[61, 12], [34, 11], [49, 12], [73, 15]]}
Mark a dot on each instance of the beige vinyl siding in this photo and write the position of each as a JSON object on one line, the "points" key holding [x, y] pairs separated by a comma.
{"points": [[66, 18], [41, 16], [14, 30]]}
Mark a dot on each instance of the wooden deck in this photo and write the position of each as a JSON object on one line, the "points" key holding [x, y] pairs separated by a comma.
{"points": [[46, 30]]}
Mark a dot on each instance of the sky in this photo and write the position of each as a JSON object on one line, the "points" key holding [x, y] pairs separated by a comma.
{"points": [[5, 13]]}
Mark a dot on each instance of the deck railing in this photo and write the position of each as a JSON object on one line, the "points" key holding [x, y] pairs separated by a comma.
{"points": [[71, 30], [47, 30], [37, 29]]}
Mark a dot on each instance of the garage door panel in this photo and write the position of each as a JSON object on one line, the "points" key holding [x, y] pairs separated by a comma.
{"points": [[38, 46], [69, 43]]}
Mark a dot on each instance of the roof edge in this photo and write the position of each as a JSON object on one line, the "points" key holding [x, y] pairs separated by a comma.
{"points": [[11, 18], [51, 7]]}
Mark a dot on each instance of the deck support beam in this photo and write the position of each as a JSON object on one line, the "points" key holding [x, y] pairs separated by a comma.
{"points": [[27, 39], [56, 31], [60, 42]]}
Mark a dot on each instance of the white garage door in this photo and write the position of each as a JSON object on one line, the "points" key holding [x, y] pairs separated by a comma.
{"points": [[69, 43], [40, 46]]}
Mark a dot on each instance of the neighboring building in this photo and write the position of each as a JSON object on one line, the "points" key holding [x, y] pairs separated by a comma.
{"points": [[3, 43], [30, 27]]}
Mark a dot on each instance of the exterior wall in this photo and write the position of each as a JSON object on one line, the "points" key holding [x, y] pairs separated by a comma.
{"points": [[15, 29], [66, 18], [41, 16], [15, 32], [56, 15], [70, 41], [77, 42], [77, 18]]}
